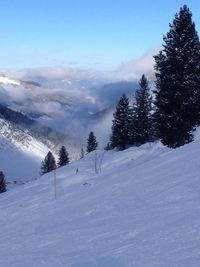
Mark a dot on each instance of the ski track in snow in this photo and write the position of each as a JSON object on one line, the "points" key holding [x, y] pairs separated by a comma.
{"points": [[142, 210]]}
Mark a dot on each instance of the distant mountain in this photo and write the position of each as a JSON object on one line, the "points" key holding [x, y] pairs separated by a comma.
{"points": [[53, 113], [63, 105], [21, 154], [45, 134], [24, 143]]}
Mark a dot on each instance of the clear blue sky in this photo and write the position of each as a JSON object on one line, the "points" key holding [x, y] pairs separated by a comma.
{"points": [[83, 33]]}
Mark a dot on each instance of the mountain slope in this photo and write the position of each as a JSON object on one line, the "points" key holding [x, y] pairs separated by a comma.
{"points": [[24, 143], [21, 154], [141, 210], [52, 111]]}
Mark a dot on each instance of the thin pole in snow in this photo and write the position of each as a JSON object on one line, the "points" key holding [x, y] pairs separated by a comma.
{"points": [[55, 189], [53, 168]]}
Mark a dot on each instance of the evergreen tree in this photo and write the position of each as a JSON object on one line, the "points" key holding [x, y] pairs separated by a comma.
{"points": [[63, 157], [178, 82], [91, 143], [120, 128], [48, 163], [2, 182], [140, 130]]}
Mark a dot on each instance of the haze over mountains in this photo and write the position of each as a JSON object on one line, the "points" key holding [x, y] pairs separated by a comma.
{"points": [[60, 108]]}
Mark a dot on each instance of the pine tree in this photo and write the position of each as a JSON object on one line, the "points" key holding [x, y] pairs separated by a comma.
{"points": [[178, 82], [91, 143], [48, 163], [2, 182], [140, 130], [120, 128], [63, 157]]}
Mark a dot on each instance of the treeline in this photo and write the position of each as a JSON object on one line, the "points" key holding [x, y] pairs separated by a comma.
{"points": [[49, 162], [174, 113], [171, 112], [133, 124]]}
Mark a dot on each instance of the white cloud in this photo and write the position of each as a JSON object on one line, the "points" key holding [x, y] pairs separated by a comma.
{"points": [[67, 93], [127, 70], [49, 73], [133, 69]]}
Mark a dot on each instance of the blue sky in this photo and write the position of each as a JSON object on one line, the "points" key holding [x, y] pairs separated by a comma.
{"points": [[98, 34]]}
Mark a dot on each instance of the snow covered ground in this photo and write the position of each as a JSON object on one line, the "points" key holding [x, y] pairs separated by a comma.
{"points": [[20, 153], [142, 210]]}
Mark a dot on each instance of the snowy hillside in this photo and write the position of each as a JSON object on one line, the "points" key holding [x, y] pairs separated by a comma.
{"points": [[24, 143], [20, 153], [142, 210]]}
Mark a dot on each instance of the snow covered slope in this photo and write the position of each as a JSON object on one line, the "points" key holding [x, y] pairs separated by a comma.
{"points": [[20, 153], [142, 210]]}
